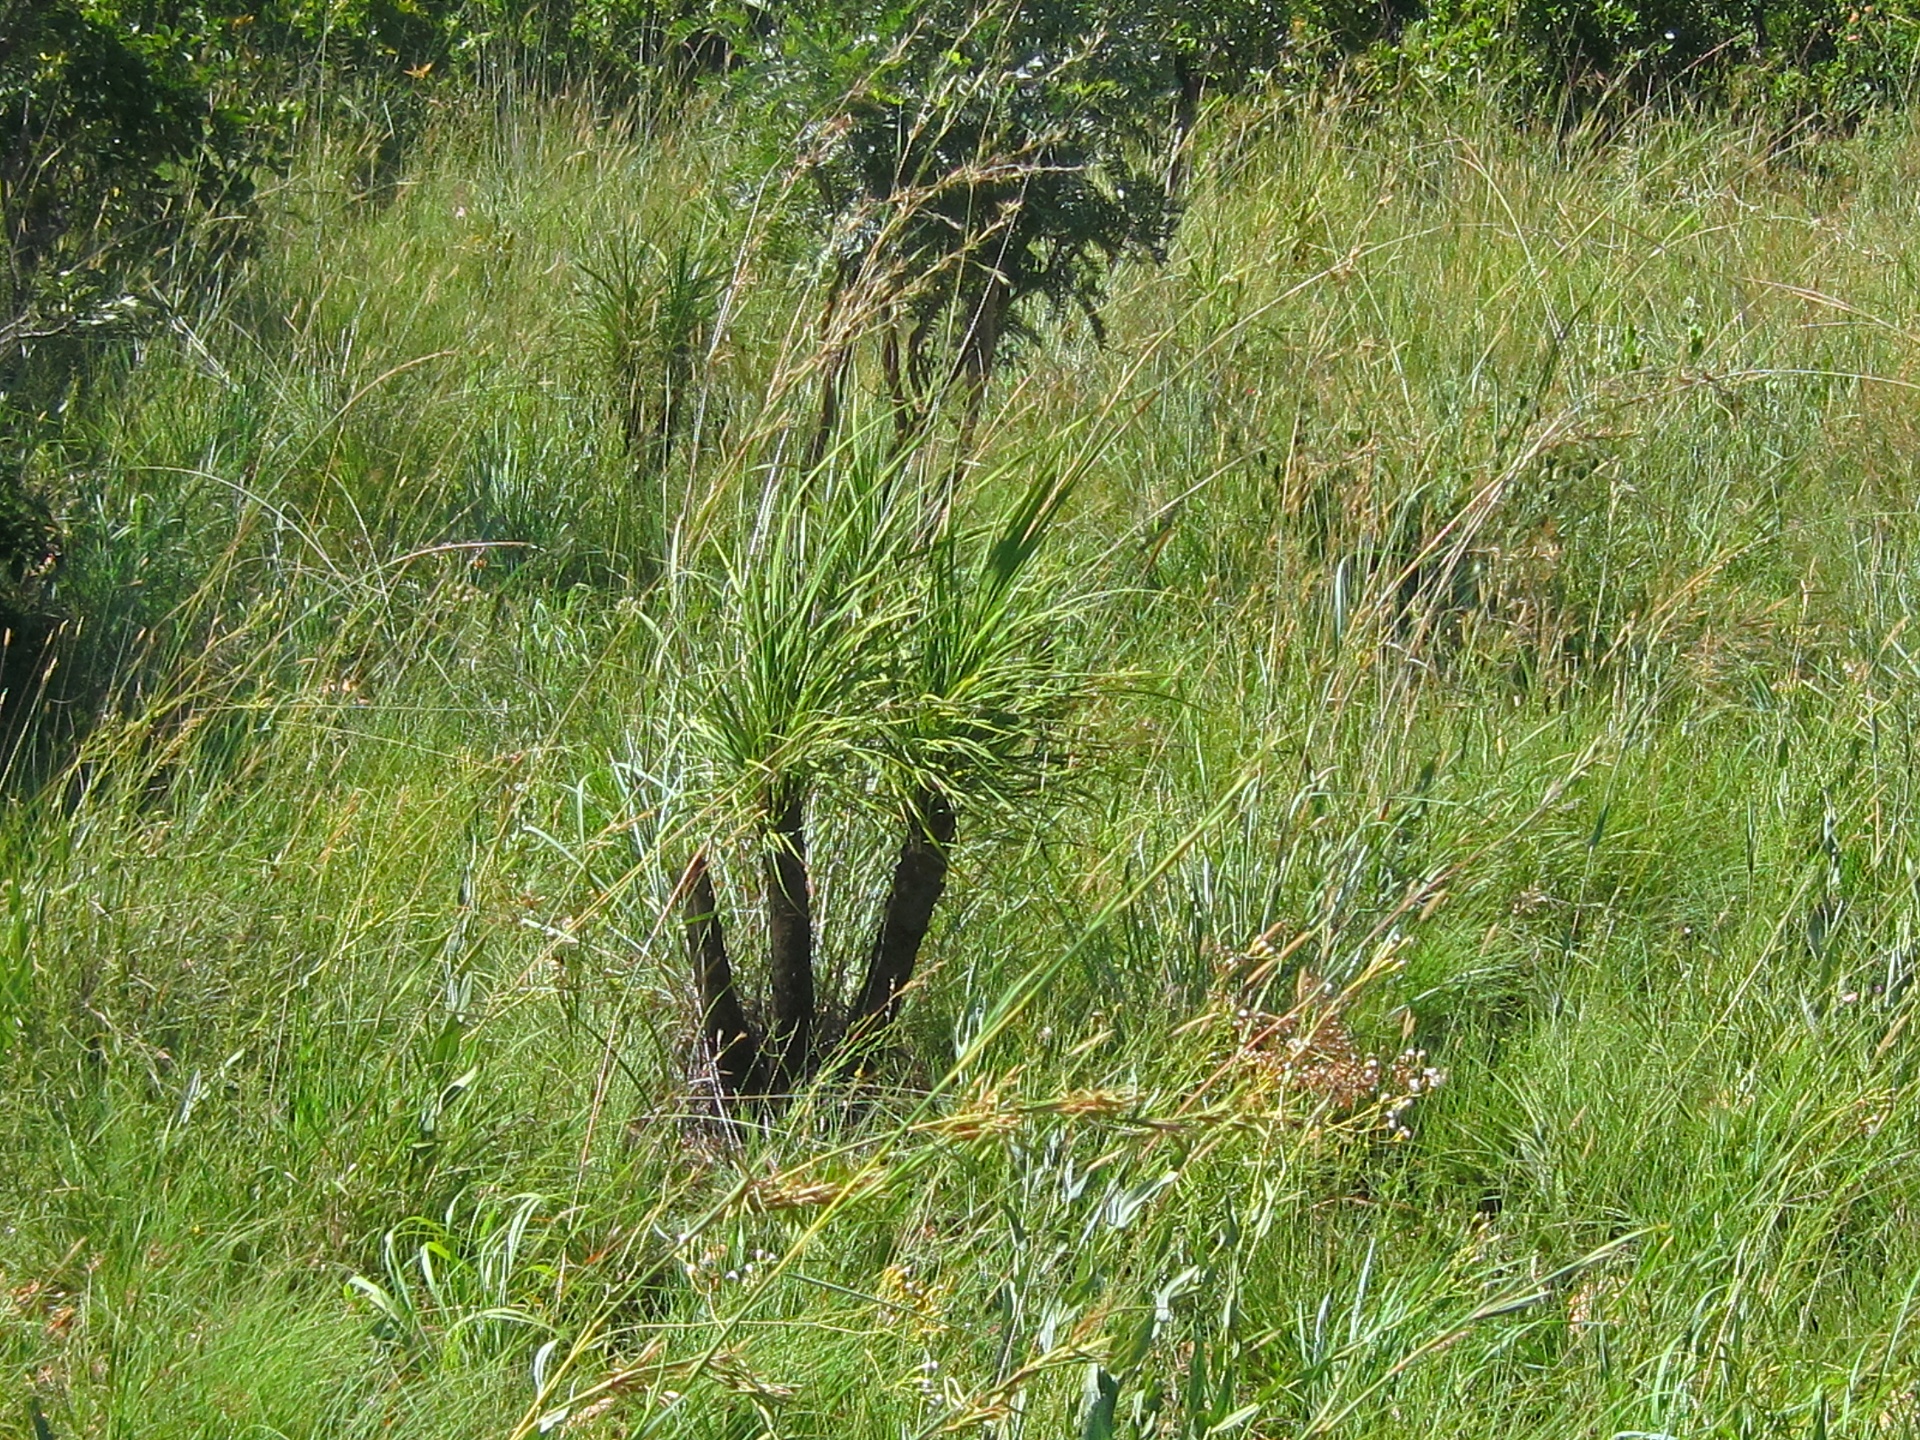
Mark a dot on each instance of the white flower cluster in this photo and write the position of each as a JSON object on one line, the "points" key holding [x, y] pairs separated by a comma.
{"points": [[710, 1267]]}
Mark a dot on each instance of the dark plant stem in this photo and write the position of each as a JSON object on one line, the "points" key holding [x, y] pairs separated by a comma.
{"points": [[982, 342], [904, 419], [832, 379], [789, 944], [833, 369], [723, 1020], [919, 877], [666, 427], [973, 368], [1186, 114]]}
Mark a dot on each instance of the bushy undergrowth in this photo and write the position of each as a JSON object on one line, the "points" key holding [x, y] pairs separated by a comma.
{"points": [[1447, 971]]}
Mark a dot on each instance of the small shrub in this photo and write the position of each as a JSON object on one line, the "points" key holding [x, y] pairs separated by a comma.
{"points": [[856, 663]]}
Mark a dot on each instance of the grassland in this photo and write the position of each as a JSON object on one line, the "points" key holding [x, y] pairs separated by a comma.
{"points": [[1482, 611]]}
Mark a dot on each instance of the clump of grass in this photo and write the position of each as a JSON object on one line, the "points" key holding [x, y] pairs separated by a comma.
{"points": [[650, 311]]}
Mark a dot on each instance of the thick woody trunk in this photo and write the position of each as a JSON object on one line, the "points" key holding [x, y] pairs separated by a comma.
{"points": [[723, 1021], [789, 946], [919, 877]]}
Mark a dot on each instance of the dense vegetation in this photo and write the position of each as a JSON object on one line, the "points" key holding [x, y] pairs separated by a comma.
{"points": [[1098, 721]]}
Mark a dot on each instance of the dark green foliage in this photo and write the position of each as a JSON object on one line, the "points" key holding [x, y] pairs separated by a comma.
{"points": [[114, 137], [626, 47], [1826, 59], [111, 129]]}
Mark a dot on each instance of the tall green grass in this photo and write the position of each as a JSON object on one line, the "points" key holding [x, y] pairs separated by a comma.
{"points": [[1489, 572]]}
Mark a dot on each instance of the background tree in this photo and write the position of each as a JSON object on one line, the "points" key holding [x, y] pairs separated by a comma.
{"points": [[966, 163]]}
